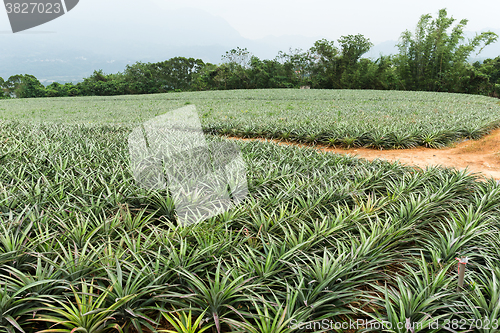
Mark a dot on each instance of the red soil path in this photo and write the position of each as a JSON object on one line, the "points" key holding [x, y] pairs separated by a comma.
{"points": [[479, 156]]}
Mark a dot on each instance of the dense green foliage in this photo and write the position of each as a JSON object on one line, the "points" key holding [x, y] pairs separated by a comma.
{"points": [[434, 58], [23, 86], [379, 119], [320, 237], [82, 247]]}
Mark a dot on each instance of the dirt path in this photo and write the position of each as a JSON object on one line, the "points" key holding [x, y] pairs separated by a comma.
{"points": [[481, 155]]}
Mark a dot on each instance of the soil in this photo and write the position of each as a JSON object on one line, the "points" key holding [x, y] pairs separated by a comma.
{"points": [[478, 156]]}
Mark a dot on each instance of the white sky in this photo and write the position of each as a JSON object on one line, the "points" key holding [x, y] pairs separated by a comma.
{"points": [[380, 20]]}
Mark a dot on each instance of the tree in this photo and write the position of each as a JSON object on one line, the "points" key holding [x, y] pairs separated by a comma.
{"points": [[435, 59], [2, 92], [177, 74], [12, 83], [491, 67], [101, 84], [298, 66], [238, 56], [24, 86], [267, 74], [204, 79], [350, 71], [353, 47], [233, 72], [55, 89], [141, 78], [334, 68], [325, 64]]}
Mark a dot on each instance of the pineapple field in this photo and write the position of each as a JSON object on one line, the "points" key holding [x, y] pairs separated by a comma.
{"points": [[377, 119], [322, 243]]}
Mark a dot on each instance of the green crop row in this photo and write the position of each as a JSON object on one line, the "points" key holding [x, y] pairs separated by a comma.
{"points": [[378, 119], [320, 237]]}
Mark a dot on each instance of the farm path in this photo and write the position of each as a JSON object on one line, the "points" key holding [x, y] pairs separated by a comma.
{"points": [[481, 155]]}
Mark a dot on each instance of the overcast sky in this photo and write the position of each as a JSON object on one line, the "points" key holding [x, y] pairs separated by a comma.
{"points": [[380, 20], [109, 34]]}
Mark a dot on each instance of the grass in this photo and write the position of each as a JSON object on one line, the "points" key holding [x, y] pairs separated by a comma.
{"points": [[378, 119], [321, 237]]}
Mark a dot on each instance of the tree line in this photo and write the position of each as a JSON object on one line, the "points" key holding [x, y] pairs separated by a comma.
{"points": [[432, 58]]}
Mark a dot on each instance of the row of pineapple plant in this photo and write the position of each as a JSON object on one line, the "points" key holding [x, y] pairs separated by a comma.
{"points": [[321, 237], [343, 118], [366, 136]]}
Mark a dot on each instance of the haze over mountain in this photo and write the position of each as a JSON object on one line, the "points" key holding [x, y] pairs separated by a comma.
{"points": [[100, 35]]}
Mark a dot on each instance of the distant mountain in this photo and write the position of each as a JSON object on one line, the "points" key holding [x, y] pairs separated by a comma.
{"points": [[88, 41], [97, 35]]}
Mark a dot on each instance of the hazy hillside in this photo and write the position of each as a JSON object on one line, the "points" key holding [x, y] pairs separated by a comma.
{"points": [[146, 33], [62, 51]]}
